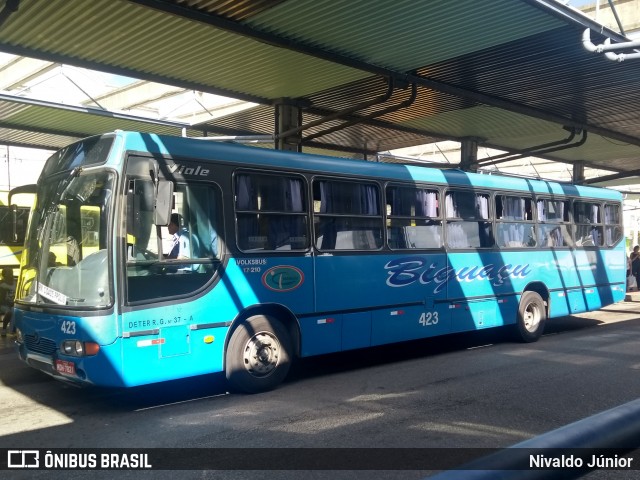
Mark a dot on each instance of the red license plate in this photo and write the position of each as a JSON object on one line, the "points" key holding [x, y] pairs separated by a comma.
{"points": [[65, 367]]}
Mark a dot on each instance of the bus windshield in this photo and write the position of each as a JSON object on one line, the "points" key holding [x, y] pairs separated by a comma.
{"points": [[67, 262]]}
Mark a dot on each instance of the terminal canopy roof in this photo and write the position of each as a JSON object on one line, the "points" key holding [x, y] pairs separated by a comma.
{"points": [[382, 74]]}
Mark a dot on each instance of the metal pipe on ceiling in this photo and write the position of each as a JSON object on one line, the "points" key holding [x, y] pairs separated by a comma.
{"points": [[581, 142], [406, 103], [621, 57], [531, 151], [542, 152], [613, 176], [609, 48], [342, 113], [10, 7]]}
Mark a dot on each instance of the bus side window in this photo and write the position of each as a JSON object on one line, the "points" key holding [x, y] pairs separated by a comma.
{"points": [[613, 224], [196, 216], [468, 220], [151, 276], [588, 224], [514, 222], [413, 218], [347, 215], [553, 223], [271, 212]]}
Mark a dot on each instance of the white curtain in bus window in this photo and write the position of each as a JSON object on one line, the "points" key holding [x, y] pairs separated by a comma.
{"points": [[413, 218], [271, 213], [468, 224], [248, 228], [514, 226], [613, 228], [347, 216], [200, 214], [553, 219], [588, 224]]}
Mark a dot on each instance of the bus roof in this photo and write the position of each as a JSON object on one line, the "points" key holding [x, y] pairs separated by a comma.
{"points": [[207, 150]]}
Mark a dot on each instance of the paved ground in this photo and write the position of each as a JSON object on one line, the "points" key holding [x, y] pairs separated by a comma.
{"points": [[459, 392]]}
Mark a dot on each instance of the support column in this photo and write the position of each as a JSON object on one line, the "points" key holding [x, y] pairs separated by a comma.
{"points": [[288, 116], [578, 172], [469, 154]]}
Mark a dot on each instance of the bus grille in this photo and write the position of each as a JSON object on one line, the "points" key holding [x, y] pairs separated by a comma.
{"points": [[40, 345]]}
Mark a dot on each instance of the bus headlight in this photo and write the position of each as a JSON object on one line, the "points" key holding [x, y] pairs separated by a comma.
{"points": [[73, 348], [19, 337], [76, 348]]}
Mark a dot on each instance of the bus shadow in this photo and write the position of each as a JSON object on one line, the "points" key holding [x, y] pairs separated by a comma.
{"points": [[172, 392], [569, 324], [207, 386], [25, 380], [423, 348], [214, 385]]}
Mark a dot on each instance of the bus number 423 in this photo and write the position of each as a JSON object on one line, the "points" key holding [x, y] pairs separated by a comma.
{"points": [[428, 318], [68, 327]]}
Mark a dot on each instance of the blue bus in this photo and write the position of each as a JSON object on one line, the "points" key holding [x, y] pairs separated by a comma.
{"points": [[287, 255]]}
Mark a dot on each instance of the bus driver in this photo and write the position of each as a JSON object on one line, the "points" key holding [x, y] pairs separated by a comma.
{"points": [[181, 247]]}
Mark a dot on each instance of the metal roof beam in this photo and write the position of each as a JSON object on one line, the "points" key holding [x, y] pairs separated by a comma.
{"points": [[37, 146], [339, 148], [129, 72], [22, 70], [551, 158], [46, 131], [91, 111], [615, 176], [137, 94]]}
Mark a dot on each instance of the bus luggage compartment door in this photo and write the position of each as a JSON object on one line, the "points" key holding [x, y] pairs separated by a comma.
{"points": [[175, 341], [474, 315]]}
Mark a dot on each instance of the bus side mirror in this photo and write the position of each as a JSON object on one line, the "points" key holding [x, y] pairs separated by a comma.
{"points": [[164, 202]]}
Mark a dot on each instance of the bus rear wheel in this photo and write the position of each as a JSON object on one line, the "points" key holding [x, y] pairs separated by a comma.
{"points": [[532, 315], [258, 355]]}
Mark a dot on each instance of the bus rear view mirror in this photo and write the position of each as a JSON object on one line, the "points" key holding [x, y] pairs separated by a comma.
{"points": [[164, 202]]}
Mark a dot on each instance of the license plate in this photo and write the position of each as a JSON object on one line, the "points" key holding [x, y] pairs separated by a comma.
{"points": [[65, 367]]}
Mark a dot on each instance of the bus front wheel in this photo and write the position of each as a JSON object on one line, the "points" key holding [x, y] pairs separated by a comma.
{"points": [[532, 315], [258, 355]]}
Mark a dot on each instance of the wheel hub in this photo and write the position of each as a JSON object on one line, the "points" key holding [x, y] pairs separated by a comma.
{"points": [[531, 318], [261, 354]]}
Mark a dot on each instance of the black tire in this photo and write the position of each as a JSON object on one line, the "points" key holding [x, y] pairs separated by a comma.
{"points": [[532, 315], [258, 356]]}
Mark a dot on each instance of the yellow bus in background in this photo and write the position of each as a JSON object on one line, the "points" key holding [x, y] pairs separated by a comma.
{"points": [[15, 207], [70, 241]]}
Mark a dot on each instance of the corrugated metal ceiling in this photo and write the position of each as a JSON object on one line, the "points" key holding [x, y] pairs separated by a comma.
{"points": [[511, 73]]}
